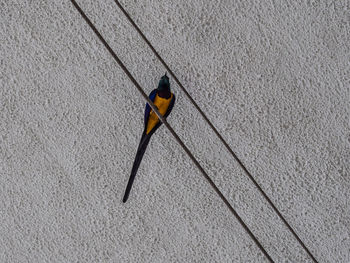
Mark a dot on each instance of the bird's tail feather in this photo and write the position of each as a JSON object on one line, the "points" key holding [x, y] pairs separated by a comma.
{"points": [[140, 152]]}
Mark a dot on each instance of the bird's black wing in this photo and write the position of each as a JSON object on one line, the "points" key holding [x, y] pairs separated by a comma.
{"points": [[148, 109], [171, 105]]}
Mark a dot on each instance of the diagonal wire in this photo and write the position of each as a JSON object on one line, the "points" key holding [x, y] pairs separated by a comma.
{"points": [[216, 131], [206, 176]]}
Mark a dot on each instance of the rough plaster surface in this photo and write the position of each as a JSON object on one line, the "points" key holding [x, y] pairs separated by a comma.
{"points": [[273, 76]]}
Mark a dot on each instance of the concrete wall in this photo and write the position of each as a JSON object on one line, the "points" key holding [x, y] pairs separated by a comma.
{"points": [[273, 76]]}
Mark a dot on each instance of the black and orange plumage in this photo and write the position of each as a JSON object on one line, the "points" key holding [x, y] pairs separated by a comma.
{"points": [[164, 100]]}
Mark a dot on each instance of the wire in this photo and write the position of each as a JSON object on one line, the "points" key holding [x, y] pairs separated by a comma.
{"points": [[216, 132], [206, 176]]}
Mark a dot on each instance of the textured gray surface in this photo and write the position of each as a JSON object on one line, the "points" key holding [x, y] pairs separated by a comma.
{"points": [[272, 76]]}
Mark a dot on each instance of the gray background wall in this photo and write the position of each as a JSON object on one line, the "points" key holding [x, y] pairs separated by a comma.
{"points": [[273, 76]]}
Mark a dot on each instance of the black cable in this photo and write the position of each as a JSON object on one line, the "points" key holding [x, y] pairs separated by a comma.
{"points": [[216, 132], [206, 176]]}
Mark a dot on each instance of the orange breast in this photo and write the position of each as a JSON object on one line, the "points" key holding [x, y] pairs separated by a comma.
{"points": [[162, 104]]}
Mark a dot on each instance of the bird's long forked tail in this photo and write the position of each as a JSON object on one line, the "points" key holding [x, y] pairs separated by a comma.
{"points": [[140, 152]]}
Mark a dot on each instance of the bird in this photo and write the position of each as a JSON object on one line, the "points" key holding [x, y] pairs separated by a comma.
{"points": [[164, 100]]}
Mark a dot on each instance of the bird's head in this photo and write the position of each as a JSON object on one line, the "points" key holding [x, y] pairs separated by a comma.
{"points": [[164, 84]]}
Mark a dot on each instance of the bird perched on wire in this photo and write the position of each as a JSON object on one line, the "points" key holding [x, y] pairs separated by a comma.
{"points": [[164, 100]]}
